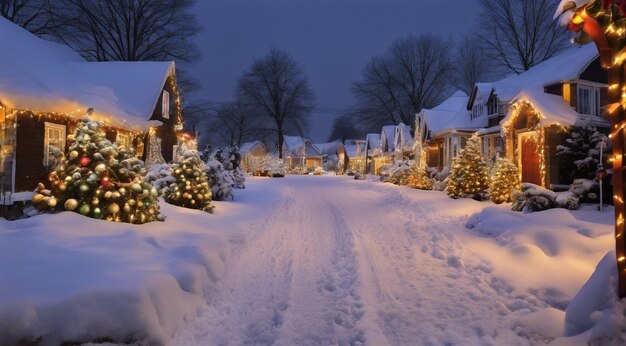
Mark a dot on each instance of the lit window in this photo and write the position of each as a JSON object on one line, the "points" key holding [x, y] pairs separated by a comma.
{"points": [[123, 140], [54, 138], [166, 104]]}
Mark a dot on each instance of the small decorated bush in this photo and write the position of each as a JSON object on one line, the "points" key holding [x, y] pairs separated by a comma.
{"points": [[469, 176], [191, 188], [504, 181]]}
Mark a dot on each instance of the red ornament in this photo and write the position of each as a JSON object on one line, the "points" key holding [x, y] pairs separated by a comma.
{"points": [[85, 161], [104, 182]]}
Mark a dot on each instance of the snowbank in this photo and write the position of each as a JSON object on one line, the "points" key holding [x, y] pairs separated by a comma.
{"points": [[67, 278]]}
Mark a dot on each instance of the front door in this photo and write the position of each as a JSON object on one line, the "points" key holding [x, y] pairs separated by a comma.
{"points": [[530, 161]]}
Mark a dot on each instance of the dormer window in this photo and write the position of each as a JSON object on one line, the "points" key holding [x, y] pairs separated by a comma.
{"points": [[588, 100], [477, 110], [165, 106]]}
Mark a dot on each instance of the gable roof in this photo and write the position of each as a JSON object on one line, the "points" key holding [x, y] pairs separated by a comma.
{"points": [[41, 75], [452, 114], [298, 146], [387, 137], [564, 67], [403, 138], [372, 140], [249, 147], [329, 148]]}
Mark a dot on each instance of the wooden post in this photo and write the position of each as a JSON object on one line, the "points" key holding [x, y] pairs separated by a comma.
{"points": [[617, 81]]}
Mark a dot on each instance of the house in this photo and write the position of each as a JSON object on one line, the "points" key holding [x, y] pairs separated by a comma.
{"points": [[46, 88], [334, 154], [403, 142], [253, 155], [374, 153], [535, 110], [301, 152], [357, 155], [523, 117], [448, 126]]}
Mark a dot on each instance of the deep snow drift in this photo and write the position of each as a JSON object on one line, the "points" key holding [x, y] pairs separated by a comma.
{"points": [[304, 260]]}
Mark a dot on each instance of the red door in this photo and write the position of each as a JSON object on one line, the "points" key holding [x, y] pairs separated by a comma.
{"points": [[531, 162]]}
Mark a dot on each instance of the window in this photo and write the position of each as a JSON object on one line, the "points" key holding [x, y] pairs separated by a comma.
{"points": [[588, 100], [165, 106], [123, 140], [477, 110], [502, 110], [54, 138]]}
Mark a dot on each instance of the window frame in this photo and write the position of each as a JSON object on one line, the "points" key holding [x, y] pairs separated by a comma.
{"points": [[46, 142], [165, 104], [127, 143], [593, 99]]}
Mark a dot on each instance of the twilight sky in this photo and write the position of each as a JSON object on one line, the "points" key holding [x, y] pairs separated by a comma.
{"points": [[332, 39]]}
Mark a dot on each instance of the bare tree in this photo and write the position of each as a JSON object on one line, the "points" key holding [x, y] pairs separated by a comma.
{"points": [[236, 123], [344, 128], [128, 30], [471, 65], [277, 89], [520, 34], [413, 74], [33, 15]]}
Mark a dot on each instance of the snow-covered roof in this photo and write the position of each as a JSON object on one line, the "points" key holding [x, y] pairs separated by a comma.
{"points": [[373, 140], [403, 138], [387, 136], [452, 114], [552, 108], [350, 150], [251, 146], [298, 146], [41, 75], [329, 148], [566, 66]]}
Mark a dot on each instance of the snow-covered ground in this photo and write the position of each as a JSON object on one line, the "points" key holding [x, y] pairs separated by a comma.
{"points": [[304, 260]]}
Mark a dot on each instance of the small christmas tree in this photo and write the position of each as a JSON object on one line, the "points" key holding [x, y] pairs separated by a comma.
{"points": [[239, 177], [504, 181], [191, 188], [469, 176], [98, 179], [220, 180], [419, 178]]}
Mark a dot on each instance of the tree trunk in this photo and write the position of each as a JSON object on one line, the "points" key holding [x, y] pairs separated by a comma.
{"points": [[617, 79], [280, 142]]}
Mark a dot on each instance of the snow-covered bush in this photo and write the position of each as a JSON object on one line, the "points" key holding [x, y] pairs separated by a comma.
{"points": [[318, 170], [359, 176], [587, 190], [533, 198], [298, 170], [579, 156], [220, 180], [397, 173], [504, 181], [349, 172], [469, 176], [160, 176]]}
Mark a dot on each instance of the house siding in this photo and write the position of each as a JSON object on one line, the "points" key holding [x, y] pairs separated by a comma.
{"points": [[29, 153]]}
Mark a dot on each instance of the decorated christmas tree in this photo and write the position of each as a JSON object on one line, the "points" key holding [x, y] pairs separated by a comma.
{"points": [[419, 178], [154, 156], [191, 188], [98, 179], [469, 176], [504, 181]]}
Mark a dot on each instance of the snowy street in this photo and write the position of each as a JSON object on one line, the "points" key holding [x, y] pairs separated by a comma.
{"points": [[339, 261], [305, 260]]}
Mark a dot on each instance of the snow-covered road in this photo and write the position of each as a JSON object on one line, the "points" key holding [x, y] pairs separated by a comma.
{"points": [[343, 262]]}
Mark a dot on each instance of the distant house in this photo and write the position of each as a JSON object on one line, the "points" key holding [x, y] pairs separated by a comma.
{"points": [[253, 155], [45, 88], [357, 156], [333, 153], [524, 117], [448, 126], [300, 152]]}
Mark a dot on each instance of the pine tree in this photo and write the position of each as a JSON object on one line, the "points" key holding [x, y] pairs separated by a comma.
{"points": [[239, 177], [191, 188], [469, 176], [504, 181], [99, 179], [580, 155], [419, 178]]}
